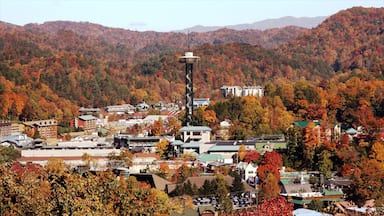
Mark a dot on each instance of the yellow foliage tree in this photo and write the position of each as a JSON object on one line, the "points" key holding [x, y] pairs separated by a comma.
{"points": [[377, 151], [162, 147], [242, 152]]}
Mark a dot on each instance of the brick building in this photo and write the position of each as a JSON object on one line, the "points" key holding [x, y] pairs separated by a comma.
{"points": [[47, 129], [5, 129]]}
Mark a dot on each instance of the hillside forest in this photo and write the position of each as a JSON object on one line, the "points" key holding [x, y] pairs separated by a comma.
{"points": [[332, 73]]}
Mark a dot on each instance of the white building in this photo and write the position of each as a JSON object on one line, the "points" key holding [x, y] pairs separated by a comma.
{"points": [[71, 156], [195, 133], [238, 91], [120, 109]]}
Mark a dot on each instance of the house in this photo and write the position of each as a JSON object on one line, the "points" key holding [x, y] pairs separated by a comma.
{"points": [[47, 129], [201, 102], [250, 172], [86, 122]]}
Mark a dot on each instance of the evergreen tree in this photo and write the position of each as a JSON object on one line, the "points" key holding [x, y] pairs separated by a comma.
{"points": [[295, 148], [222, 193], [237, 184]]}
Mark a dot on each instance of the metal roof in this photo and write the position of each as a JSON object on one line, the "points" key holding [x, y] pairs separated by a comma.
{"points": [[195, 128], [191, 145], [217, 148], [177, 142], [87, 117], [210, 157]]}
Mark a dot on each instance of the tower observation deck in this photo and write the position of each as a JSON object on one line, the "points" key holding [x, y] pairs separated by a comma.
{"points": [[189, 59]]}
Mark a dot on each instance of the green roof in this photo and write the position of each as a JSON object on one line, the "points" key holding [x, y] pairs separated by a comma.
{"points": [[276, 145], [191, 145], [300, 202], [329, 192], [177, 142], [285, 181], [229, 148], [304, 124], [210, 157]]}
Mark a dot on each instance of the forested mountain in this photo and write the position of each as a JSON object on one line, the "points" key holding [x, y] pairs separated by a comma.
{"points": [[350, 39], [49, 70]]}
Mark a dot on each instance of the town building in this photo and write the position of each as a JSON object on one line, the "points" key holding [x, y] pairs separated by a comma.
{"points": [[195, 133], [47, 129], [5, 129], [120, 109], [87, 122], [89, 111], [150, 119], [72, 156], [201, 102], [237, 91], [137, 144]]}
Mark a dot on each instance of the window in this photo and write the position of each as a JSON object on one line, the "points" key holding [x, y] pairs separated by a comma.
{"points": [[196, 133]]}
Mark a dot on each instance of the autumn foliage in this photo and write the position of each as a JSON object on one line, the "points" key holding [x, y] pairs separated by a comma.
{"points": [[55, 190]]}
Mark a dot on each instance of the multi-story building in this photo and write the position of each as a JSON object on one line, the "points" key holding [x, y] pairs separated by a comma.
{"points": [[238, 91], [5, 129], [46, 128], [86, 122], [120, 109]]}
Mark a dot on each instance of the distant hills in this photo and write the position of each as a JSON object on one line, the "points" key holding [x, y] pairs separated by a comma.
{"points": [[59, 66], [304, 22]]}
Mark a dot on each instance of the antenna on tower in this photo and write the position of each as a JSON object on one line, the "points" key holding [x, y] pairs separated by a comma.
{"points": [[188, 40]]}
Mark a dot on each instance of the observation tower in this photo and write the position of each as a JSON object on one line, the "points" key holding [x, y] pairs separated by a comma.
{"points": [[189, 59]]}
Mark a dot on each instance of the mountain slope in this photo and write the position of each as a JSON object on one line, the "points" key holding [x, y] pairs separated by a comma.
{"points": [[350, 39], [47, 70]]}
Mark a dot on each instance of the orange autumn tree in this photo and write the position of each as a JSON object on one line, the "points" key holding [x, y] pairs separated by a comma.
{"points": [[158, 127], [269, 175]]}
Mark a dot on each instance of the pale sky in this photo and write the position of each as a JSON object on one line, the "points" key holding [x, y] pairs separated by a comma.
{"points": [[168, 15]]}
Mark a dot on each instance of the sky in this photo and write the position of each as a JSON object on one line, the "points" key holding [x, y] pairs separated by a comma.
{"points": [[169, 15]]}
